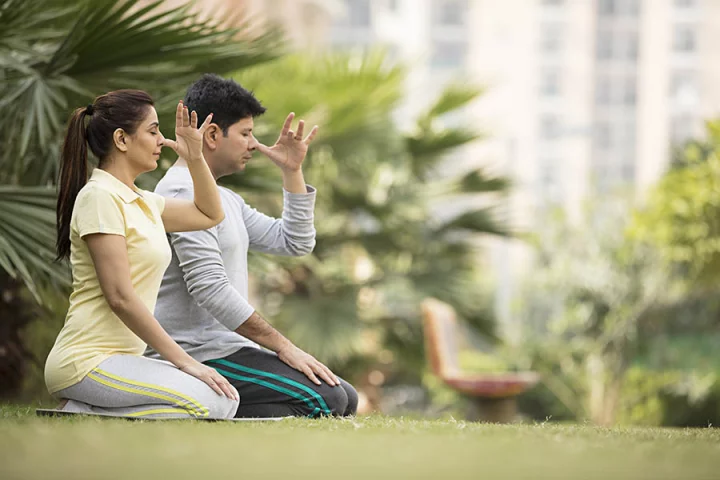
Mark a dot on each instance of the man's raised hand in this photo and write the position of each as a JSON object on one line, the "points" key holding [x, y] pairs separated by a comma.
{"points": [[290, 149]]}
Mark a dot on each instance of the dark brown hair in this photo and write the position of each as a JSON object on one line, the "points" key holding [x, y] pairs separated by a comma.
{"points": [[123, 109]]}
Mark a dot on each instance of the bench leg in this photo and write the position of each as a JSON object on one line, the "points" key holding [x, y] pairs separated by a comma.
{"points": [[494, 410]]}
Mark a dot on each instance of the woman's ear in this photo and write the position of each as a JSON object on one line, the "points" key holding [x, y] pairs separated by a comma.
{"points": [[120, 139], [211, 136]]}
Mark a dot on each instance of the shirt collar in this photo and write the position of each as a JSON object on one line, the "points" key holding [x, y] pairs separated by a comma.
{"points": [[127, 194]]}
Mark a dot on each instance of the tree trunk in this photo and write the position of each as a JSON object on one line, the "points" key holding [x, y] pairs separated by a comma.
{"points": [[15, 314]]}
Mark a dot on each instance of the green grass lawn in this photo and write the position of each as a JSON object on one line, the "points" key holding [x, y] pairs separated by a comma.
{"points": [[365, 447]]}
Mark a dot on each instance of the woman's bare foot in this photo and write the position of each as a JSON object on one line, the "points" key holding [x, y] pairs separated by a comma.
{"points": [[62, 404]]}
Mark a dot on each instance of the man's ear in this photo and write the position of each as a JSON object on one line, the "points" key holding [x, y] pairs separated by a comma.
{"points": [[211, 136], [120, 139]]}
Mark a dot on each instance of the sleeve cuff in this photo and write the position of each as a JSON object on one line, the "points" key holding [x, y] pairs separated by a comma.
{"points": [[311, 191]]}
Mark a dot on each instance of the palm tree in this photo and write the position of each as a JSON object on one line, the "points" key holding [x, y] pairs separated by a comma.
{"points": [[380, 248], [54, 56], [57, 54]]}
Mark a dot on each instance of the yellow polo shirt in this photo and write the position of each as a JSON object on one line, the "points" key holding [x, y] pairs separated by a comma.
{"points": [[92, 332]]}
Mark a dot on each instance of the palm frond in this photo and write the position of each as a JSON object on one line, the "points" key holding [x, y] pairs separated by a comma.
{"points": [[27, 236]]}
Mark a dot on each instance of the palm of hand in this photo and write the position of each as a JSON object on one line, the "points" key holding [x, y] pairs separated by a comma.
{"points": [[188, 137], [288, 153], [290, 149], [189, 141]]}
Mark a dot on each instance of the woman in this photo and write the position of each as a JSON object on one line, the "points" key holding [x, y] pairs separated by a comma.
{"points": [[114, 235]]}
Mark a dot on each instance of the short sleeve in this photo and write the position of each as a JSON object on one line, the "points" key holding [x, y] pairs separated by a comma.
{"points": [[155, 199], [98, 211]]}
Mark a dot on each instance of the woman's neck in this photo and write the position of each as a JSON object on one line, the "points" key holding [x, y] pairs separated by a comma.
{"points": [[121, 171]]}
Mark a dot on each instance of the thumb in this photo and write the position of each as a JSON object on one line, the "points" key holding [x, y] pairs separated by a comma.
{"points": [[264, 149], [170, 143]]}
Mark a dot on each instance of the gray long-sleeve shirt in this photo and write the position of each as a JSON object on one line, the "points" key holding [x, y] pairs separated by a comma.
{"points": [[203, 295]]}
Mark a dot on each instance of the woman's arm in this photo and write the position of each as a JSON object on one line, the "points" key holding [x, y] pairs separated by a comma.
{"points": [[205, 211], [109, 254]]}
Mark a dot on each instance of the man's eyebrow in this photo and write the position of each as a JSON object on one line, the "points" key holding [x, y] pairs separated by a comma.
{"points": [[247, 129]]}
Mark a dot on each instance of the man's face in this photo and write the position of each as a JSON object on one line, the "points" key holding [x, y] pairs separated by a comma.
{"points": [[235, 150]]}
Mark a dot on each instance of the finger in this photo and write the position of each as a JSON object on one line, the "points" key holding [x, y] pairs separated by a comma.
{"points": [[193, 119], [311, 135], [227, 389], [206, 123], [286, 125], [214, 386], [185, 117], [170, 144], [301, 127], [311, 375], [262, 148], [323, 374], [179, 114], [331, 374], [290, 134]]}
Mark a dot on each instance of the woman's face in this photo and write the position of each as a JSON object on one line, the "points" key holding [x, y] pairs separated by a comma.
{"points": [[143, 146]]}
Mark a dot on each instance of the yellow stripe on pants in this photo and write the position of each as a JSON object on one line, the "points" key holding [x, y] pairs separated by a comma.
{"points": [[194, 408]]}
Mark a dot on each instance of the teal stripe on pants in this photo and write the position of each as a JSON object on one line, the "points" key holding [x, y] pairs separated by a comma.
{"points": [[257, 381], [279, 378]]}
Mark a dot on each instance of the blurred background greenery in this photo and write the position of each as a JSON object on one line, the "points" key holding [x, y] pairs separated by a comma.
{"points": [[620, 315]]}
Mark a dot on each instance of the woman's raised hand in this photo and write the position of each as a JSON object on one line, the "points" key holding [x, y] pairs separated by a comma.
{"points": [[188, 141]]}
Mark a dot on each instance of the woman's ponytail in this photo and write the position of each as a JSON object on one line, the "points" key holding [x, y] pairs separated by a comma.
{"points": [[73, 176]]}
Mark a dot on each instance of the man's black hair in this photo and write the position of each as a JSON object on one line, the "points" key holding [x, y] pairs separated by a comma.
{"points": [[224, 98]]}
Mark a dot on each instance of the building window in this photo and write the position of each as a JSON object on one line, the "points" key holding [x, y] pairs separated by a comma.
{"points": [[549, 127], [627, 172], [550, 83], [684, 40], [358, 13], [604, 45], [631, 47], [607, 7], [630, 91], [603, 136], [618, 7], [450, 12], [603, 91], [551, 37], [684, 88], [449, 54]]}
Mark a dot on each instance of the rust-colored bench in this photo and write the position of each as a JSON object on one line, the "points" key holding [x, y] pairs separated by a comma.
{"points": [[494, 394]]}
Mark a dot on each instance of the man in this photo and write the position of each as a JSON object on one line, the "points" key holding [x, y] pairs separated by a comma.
{"points": [[203, 297]]}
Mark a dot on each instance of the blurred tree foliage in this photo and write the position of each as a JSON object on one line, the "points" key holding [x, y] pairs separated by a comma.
{"points": [[389, 232], [682, 215], [56, 55], [587, 306]]}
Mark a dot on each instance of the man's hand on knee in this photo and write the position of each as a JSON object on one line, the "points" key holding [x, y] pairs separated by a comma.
{"points": [[307, 364]]}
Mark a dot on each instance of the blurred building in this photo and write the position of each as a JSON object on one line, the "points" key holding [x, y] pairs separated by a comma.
{"points": [[584, 96]]}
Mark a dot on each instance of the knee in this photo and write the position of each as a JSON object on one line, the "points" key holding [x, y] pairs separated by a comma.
{"points": [[352, 396], [222, 407], [336, 400]]}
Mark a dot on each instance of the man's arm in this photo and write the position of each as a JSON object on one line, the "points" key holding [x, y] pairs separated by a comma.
{"points": [[294, 234], [204, 273], [201, 262], [260, 331]]}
